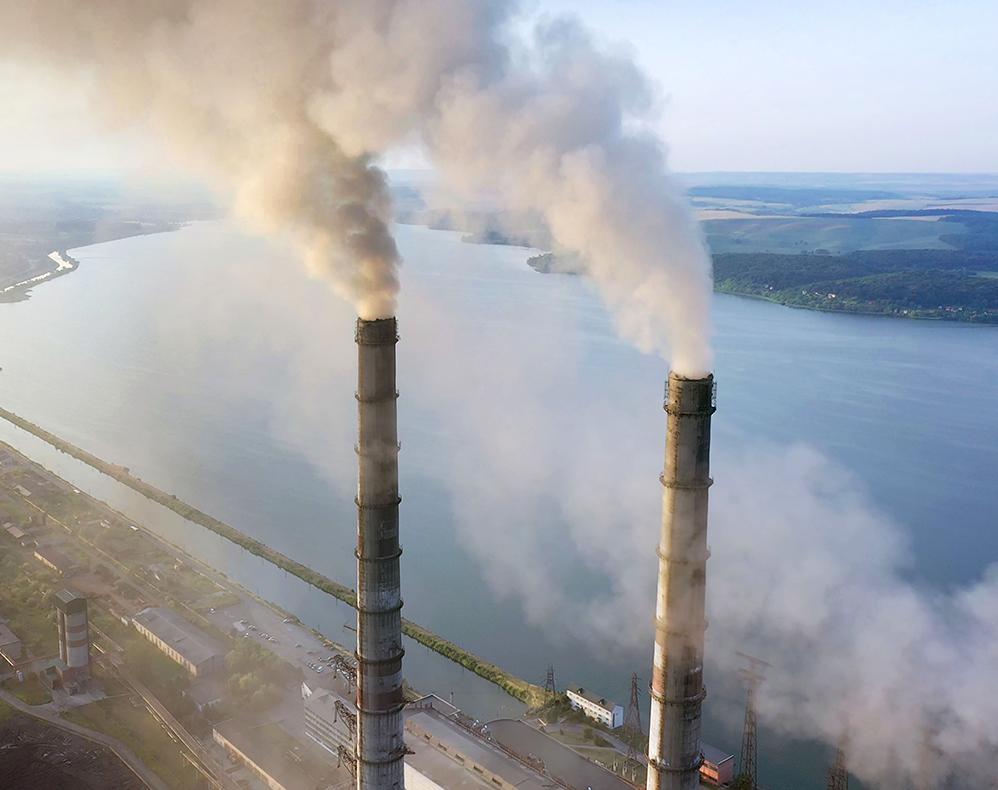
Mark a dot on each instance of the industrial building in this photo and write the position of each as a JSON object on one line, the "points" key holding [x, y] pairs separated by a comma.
{"points": [[330, 720], [275, 758], [595, 707], [554, 758], [74, 636], [181, 640], [55, 560], [449, 753], [10, 644], [444, 752], [206, 694], [718, 766]]}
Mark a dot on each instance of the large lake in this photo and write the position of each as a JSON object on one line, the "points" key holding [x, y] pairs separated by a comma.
{"points": [[532, 437]]}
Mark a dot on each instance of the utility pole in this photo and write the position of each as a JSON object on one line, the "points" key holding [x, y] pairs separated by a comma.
{"points": [[549, 688], [632, 723], [838, 776], [748, 768]]}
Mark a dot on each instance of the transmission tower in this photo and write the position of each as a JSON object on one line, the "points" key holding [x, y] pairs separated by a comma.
{"points": [[632, 723], [549, 688], [838, 776], [748, 772]]}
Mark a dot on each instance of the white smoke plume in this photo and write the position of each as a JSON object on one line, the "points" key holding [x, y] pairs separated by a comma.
{"points": [[552, 479], [286, 106]]}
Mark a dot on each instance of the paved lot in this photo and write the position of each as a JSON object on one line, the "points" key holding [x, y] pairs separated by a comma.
{"points": [[295, 643]]}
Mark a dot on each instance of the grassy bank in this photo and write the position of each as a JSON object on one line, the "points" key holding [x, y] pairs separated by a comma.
{"points": [[526, 692], [139, 731]]}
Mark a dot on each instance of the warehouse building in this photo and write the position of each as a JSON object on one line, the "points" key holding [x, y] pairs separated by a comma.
{"points": [[449, 753], [330, 720], [275, 758], [181, 640], [554, 757], [15, 531], [52, 558], [595, 707], [445, 750]]}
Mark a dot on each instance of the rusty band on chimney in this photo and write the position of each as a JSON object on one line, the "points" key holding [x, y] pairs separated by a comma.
{"points": [[364, 505], [384, 558], [694, 766], [387, 610], [699, 697]]}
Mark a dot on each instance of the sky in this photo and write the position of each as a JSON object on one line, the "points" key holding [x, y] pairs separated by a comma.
{"points": [[744, 86]]}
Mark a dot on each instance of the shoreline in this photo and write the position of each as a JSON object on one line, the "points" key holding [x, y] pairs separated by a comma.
{"points": [[65, 264], [866, 313], [526, 692], [21, 290]]}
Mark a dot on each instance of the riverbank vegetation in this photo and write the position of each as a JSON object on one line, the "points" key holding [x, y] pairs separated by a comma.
{"points": [[526, 692], [955, 285]]}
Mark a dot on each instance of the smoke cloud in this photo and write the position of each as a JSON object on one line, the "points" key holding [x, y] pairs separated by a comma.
{"points": [[547, 455], [287, 106]]}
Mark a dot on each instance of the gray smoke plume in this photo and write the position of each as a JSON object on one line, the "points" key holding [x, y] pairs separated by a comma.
{"points": [[286, 106], [547, 456]]}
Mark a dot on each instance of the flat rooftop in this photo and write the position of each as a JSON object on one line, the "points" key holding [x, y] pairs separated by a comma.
{"points": [[594, 698], [184, 637], [281, 757], [560, 761], [420, 722], [714, 755]]}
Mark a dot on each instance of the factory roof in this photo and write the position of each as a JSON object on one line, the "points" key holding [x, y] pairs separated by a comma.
{"points": [[428, 730], [279, 756], [559, 761], [593, 698], [331, 681], [67, 596], [714, 755], [15, 531], [184, 637]]}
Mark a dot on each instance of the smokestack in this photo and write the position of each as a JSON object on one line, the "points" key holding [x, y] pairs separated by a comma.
{"points": [[677, 690], [379, 748]]}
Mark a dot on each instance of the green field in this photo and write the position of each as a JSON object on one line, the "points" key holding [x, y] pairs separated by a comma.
{"points": [[24, 599], [807, 234], [137, 729], [30, 692]]}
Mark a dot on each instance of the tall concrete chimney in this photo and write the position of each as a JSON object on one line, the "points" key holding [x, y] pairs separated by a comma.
{"points": [[677, 690], [379, 749]]}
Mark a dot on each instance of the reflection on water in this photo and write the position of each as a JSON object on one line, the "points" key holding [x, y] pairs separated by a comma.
{"points": [[204, 362]]}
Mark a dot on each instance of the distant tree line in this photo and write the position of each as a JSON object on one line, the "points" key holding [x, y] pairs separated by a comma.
{"points": [[949, 284]]}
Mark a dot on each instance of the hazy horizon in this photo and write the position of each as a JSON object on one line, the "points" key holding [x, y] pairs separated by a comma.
{"points": [[895, 88]]}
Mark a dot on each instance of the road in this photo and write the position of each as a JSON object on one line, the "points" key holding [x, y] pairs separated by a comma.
{"points": [[125, 754]]}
